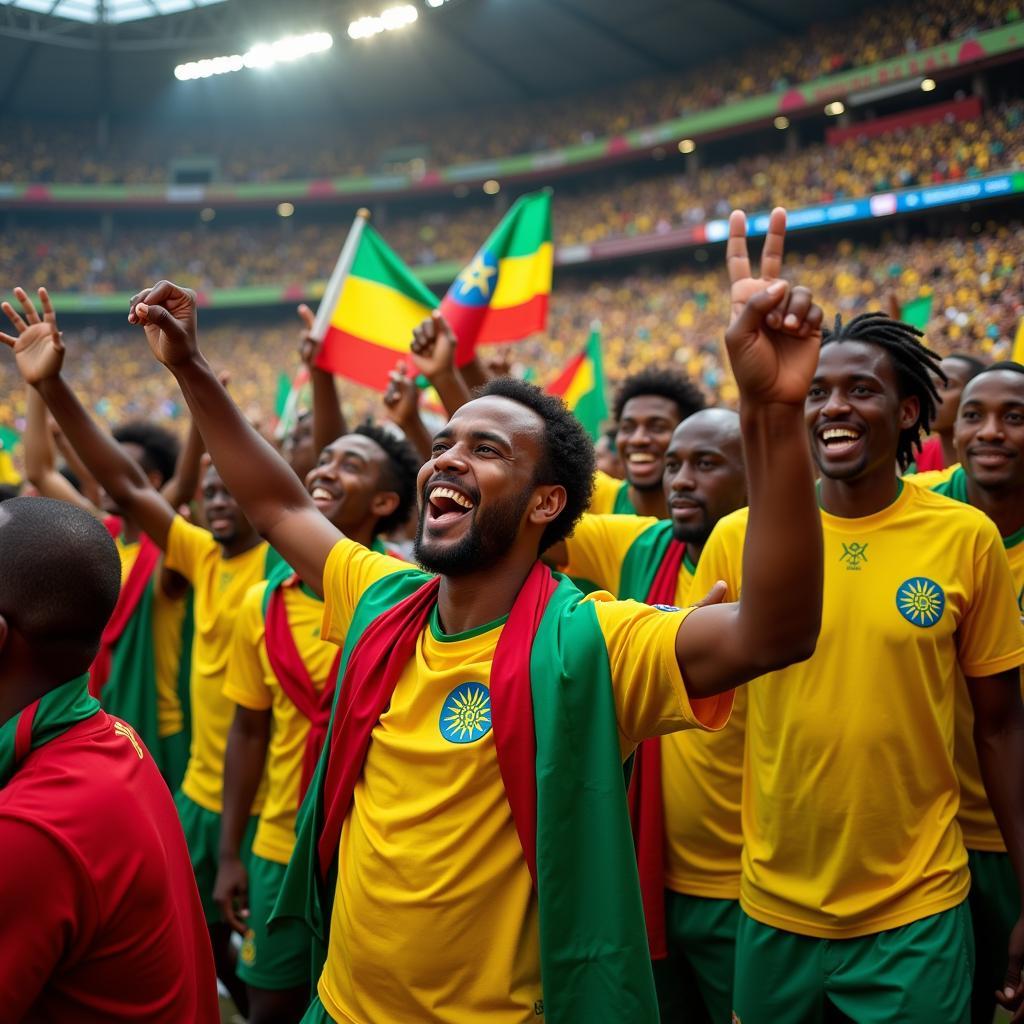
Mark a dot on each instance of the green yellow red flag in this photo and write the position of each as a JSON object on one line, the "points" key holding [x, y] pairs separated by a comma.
{"points": [[582, 386], [370, 306], [502, 295]]}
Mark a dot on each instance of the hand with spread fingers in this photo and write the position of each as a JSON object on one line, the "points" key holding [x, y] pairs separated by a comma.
{"points": [[168, 314], [38, 348], [774, 334]]}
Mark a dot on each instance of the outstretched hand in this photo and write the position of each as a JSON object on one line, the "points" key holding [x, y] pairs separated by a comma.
{"points": [[168, 313], [433, 346], [38, 348], [774, 334]]}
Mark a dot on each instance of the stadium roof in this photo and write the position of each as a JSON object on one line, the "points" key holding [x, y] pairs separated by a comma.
{"points": [[84, 57]]}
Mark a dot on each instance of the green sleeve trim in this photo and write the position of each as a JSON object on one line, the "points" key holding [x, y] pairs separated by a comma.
{"points": [[623, 505]]}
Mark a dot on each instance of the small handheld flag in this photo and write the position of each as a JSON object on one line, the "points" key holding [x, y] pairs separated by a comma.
{"points": [[370, 306], [502, 295], [581, 385]]}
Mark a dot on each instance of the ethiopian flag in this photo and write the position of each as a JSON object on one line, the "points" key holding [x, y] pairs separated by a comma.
{"points": [[370, 306], [581, 385], [503, 294]]}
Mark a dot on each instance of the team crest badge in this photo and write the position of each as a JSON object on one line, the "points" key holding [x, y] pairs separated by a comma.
{"points": [[466, 713], [248, 950], [665, 607], [920, 601]]}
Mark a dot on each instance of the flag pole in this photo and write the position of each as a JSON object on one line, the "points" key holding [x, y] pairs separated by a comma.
{"points": [[335, 283]]}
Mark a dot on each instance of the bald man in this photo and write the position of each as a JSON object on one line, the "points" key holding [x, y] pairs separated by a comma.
{"points": [[685, 789], [100, 919]]}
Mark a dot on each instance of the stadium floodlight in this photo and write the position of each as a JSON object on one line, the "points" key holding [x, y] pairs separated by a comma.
{"points": [[492, 187], [835, 108], [285, 209], [262, 55], [781, 122], [436, 3], [687, 145], [387, 21], [927, 85]]}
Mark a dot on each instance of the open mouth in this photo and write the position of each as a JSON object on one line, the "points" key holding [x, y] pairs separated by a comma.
{"points": [[322, 497], [839, 441], [642, 463], [446, 505]]}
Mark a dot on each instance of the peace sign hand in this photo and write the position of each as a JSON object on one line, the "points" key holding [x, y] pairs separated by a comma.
{"points": [[774, 334], [38, 348]]}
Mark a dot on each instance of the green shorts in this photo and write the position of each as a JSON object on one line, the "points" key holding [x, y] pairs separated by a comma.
{"points": [[174, 758], [995, 906], [202, 834], [695, 981], [917, 974], [276, 960], [317, 1013]]}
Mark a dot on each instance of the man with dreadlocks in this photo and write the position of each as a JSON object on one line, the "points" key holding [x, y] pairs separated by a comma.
{"points": [[854, 873]]}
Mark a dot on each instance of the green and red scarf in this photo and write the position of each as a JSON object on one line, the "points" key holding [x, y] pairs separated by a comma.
{"points": [[557, 743], [312, 702], [44, 720], [650, 573]]}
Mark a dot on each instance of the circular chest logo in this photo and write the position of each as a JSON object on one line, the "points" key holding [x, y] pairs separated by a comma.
{"points": [[920, 601], [466, 713], [666, 607]]}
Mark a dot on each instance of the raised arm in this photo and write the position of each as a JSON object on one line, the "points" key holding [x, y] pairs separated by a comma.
{"points": [[328, 418], [402, 401], [433, 354], [40, 456], [39, 353], [181, 488], [272, 497], [773, 341]]}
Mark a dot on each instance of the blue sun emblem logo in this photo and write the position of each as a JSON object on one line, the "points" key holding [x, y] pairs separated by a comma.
{"points": [[920, 601], [466, 713]]}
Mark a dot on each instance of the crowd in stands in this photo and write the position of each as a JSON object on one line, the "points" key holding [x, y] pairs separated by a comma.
{"points": [[49, 151], [73, 259], [976, 280]]}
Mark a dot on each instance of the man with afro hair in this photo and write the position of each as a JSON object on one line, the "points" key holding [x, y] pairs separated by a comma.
{"points": [[648, 407]]}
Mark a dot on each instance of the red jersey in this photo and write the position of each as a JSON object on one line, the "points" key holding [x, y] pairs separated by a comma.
{"points": [[100, 919]]}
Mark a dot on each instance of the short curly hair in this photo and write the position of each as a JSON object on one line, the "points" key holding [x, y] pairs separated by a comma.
{"points": [[159, 446], [665, 382], [402, 467], [568, 452]]}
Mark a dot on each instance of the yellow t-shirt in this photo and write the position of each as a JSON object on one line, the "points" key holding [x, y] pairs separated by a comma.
{"points": [[435, 917], [606, 493], [976, 818], [252, 683], [219, 585], [167, 618], [701, 772], [849, 791], [932, 477]]}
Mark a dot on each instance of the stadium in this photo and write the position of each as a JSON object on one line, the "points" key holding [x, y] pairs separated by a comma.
{"points": [[559, 179]]}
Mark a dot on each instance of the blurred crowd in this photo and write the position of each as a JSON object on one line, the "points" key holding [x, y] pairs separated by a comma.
{"points": [[73, 259], [975, 279], [58, 151]]}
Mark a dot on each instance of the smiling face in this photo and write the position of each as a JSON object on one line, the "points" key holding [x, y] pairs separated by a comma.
{"points": [[223, 514], [704, 474], [349, 483], [989, 433], [645, 430], [853, 410], [477, 490]]}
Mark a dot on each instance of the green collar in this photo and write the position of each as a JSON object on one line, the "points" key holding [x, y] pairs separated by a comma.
{"points": [[450, 638]]}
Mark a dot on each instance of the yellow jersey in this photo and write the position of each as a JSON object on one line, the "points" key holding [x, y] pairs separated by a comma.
{"points": [[435, 917], [219, 584], [610, 496], [168, 617], [850, 793], [701, 772], [252, 683], [932, 477]]}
